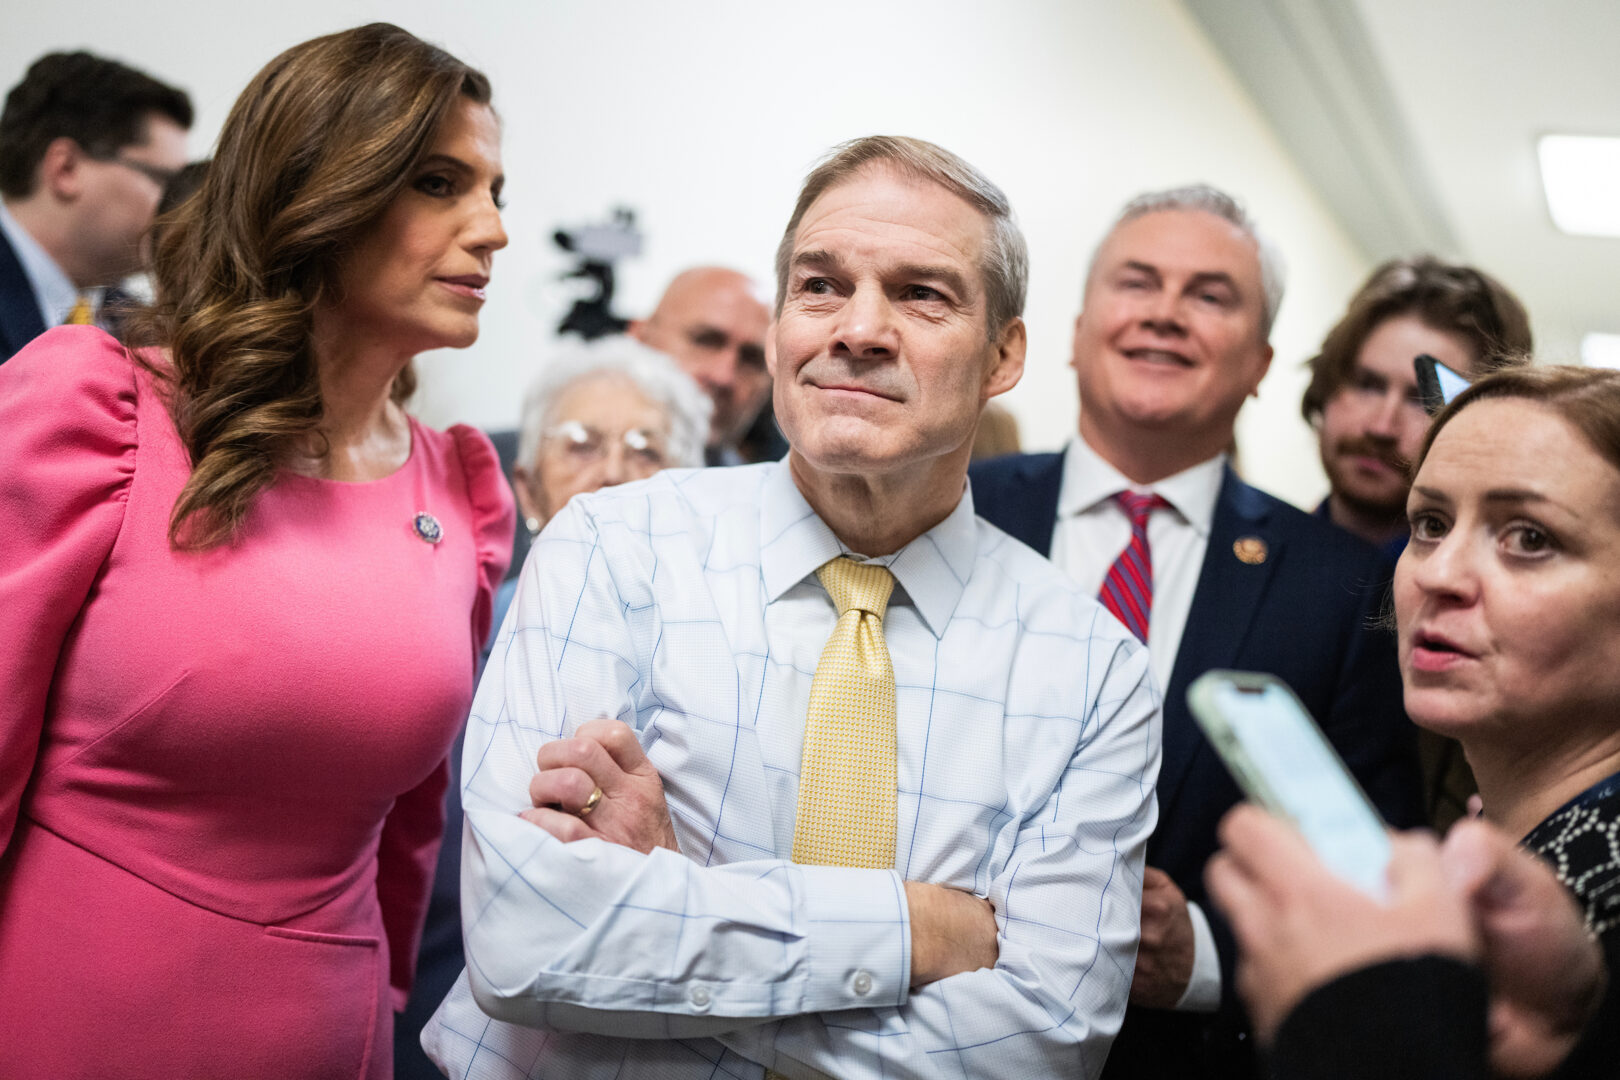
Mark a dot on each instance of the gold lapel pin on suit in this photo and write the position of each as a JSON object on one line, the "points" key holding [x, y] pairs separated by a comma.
{"points": [[1250, 550]]}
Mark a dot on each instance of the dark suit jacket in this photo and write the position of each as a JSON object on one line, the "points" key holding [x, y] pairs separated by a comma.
{"points": [[1306, 614], [20, 321]]}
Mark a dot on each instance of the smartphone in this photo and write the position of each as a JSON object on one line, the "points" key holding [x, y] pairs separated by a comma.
{"points": [[1282, 761], [1437, 384]]}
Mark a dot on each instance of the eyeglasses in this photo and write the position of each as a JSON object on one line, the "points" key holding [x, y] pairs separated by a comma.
{"points": [[588, 445], [159, 176]]}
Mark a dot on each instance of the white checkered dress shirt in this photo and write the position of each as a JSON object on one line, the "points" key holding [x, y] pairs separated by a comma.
{"points": [[688, 607]]}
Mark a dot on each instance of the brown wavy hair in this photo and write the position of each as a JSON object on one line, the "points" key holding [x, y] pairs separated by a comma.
{"points": [[1588, 399], [1444, 296], [315, 150]]}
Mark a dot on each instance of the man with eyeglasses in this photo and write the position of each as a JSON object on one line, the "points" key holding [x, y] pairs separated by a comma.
{"points": [[86, 148]]}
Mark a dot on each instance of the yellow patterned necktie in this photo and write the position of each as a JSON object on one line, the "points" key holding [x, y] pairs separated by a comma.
{"points": [[847, 775], [80, 314]]}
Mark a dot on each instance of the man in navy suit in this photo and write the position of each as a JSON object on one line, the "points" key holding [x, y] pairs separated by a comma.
{"points": [[1172, 338], [86, 148]]}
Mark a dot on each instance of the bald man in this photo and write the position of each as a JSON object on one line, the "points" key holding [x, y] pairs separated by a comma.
{"points": [[713, 321]]}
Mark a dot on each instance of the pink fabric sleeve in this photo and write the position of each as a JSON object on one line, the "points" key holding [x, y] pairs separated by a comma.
{"points": [[409, 847], [67, 457], [494, 516], [407, 855]]}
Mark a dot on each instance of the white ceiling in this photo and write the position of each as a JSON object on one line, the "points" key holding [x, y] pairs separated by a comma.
{"points": [[1417, 120]]}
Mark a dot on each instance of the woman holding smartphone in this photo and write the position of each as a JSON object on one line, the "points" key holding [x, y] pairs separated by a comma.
{"points": [[247, 593], [1507, 602]]}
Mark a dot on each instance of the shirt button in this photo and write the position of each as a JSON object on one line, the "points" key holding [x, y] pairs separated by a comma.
{"points": [[862, 983], [699, 997]]}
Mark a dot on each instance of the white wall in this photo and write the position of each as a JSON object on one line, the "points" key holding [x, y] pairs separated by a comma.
{"points": [[705, 116]]}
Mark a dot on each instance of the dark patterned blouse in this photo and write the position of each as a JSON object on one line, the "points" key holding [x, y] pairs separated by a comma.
{"points": [[1582, 841]]}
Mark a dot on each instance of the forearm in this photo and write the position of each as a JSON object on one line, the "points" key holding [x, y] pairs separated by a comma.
{"points": [[1048, 1007], [1067, 899], [951, 932], [594, 937]]}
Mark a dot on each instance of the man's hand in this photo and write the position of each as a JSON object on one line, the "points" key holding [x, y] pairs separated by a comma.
{"points": [[604, 755], [951, 932], [1546, 973], [1164, 960], [1299, 926]]}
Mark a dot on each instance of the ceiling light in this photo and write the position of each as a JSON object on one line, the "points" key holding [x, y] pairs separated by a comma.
{"points": [[1582, 176], [1601, 350]]}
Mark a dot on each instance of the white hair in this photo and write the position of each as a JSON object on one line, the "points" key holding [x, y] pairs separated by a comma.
{"points": [[1212, 200], [652, 372]]}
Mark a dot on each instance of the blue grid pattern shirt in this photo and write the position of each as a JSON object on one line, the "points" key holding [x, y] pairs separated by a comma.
{"points": [[687, 606]]}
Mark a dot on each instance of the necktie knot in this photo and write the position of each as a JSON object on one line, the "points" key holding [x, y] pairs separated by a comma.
{"points": [[1127, 591], [80, 314], [1138, 507], [857, 586]]}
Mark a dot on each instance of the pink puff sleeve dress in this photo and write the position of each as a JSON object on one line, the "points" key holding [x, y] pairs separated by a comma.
{"points": [[221, 772]]}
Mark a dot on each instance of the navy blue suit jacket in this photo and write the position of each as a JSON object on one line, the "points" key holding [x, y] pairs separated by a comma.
{"points": [[1308, 614], [20, 320]]}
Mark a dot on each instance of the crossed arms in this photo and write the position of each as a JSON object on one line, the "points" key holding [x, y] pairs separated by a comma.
{"points": [[614, 932]]}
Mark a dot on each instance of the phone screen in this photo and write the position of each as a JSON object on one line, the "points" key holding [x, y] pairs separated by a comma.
{"points": [[1451, 383], [1282, 759]]}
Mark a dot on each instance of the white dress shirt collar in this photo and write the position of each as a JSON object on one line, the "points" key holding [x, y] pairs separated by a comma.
{"points": [[1089, 479], [54, 291], [933, 569]]}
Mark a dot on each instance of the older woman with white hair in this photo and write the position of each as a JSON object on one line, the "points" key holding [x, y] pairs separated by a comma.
{"points": [[598, 414], [601, 414]]}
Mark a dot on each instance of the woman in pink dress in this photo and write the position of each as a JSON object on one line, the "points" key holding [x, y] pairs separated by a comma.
{"points": [[245, 592]]}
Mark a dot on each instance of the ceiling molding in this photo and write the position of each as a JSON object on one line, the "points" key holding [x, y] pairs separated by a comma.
{"points": [[1312, 70]]}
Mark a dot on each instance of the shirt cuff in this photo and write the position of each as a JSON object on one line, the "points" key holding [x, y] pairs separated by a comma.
{"points": [[859, 930], [1203, 993]]}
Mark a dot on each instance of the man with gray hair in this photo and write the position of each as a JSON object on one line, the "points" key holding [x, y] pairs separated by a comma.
{"points": [[834, 779], [1143, 510]]}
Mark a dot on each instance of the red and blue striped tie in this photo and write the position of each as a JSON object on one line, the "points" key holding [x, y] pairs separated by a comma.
{"points": [[1127, 591]]}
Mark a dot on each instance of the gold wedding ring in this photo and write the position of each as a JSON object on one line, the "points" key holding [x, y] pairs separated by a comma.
{"points": [[590, 803]]}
